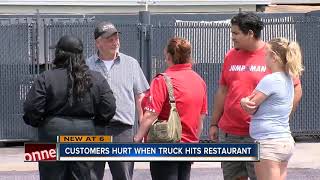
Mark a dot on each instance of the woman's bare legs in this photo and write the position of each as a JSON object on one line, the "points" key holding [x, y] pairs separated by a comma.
{"points": [[268, 170]]}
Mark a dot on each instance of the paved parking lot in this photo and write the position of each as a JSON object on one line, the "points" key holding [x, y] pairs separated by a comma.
{"points": [[196, 174]]}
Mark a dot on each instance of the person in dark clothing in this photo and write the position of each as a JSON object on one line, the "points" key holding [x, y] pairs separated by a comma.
{"points": [[68, 100]]}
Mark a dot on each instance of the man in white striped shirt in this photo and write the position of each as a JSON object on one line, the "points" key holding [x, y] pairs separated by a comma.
{"points": [[128, 84]]}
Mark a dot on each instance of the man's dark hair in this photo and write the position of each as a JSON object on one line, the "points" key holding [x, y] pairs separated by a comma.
{"points": [[248, 21]]}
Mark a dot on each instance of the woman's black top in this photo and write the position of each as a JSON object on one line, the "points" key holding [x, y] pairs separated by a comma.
{"points": [[48, 96]]}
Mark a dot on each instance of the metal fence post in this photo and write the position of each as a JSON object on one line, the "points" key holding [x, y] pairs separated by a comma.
{"points": [[145, 43], [38, 43]]}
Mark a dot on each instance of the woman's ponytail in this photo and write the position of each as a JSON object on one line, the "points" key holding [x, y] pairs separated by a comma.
{"points": [[288, 54], [294, 59]]}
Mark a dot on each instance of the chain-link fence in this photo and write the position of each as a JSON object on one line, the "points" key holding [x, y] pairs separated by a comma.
{"points": [[25, 51], [16, 73], [212, 39]]}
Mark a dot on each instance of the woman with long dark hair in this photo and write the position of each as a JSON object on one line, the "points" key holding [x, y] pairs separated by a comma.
{"points": [[70, 99]]}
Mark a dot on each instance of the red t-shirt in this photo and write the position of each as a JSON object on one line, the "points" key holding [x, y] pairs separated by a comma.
{"points": [[190, 92], [144, 103], [145, 100], [241, 73]]}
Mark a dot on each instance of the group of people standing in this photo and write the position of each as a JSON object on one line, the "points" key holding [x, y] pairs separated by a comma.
{"points": [[99, 96]]}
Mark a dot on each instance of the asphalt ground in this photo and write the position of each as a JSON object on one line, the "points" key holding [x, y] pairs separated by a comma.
{"points": [[196, 174], [304, 165]]}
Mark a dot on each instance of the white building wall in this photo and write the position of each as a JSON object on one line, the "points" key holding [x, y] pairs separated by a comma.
{"points": [[125, 6], [295, 1]]}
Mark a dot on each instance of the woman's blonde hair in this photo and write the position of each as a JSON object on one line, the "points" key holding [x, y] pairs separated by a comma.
{"points": [[289, 54]]}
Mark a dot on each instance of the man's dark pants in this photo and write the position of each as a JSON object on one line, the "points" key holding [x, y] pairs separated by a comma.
{"points": [[120, 133], [233, 170], [72, 170], [170, 170]]}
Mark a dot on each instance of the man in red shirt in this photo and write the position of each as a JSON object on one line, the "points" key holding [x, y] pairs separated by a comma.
{"points": [[244, 66]]}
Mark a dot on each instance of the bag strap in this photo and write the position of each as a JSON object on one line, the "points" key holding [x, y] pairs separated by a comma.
{"points": [[172, 100], [167, 79]]}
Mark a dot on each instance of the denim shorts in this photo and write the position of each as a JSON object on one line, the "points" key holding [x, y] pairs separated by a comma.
{"points": [[279, 149]]}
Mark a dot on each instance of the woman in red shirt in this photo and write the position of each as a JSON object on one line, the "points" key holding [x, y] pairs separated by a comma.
{"points": [[190, 93]]}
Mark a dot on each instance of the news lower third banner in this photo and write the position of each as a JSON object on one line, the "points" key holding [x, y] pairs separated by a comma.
{"points": [[100, 148], [158, 152]]}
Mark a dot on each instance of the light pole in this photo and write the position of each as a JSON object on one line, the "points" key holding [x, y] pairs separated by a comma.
{"points": [[146, 3]]}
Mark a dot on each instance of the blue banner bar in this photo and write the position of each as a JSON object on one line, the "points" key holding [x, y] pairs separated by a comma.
{"points": [[144, 151]]}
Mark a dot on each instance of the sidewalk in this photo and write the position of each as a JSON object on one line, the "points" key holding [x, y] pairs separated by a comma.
{"points": [[306, 155]]}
